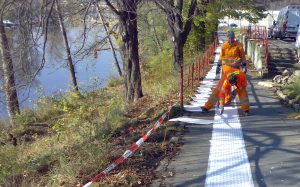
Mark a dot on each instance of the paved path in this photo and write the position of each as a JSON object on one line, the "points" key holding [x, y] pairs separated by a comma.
{"points": [[258, 150]]}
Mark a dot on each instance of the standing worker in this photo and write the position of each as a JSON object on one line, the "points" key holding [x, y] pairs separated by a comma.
{"points": [[237, 79], [232, 56]]}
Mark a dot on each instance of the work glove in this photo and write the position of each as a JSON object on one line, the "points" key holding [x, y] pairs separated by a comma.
{"points": [[221, 109], [218, 69], [244, 68]]}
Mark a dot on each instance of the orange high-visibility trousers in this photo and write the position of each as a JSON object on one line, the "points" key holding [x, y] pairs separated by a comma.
{"points": [[214, 97], [242, 96]]}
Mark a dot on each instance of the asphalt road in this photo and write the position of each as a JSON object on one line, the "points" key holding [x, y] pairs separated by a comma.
{"points": [[272, 139]]}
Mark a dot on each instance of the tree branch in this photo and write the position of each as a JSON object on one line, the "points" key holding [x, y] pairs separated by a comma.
{"points": [[192, 9], [179, 6], [112, 7], [84, 26], [189, 21], [45, 40]]}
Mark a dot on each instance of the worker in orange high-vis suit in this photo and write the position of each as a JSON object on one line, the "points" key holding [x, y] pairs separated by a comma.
{"points": [[232, 56], [237, 79]]}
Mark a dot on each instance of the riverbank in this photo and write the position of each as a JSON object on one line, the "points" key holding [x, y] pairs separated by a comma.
{"points": [[68, 140]]}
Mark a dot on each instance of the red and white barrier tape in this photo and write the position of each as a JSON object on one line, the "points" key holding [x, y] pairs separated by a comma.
{"points": [[129, 151]]}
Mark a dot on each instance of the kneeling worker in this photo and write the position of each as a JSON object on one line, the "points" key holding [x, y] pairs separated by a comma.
{"points": [[237, 79]]}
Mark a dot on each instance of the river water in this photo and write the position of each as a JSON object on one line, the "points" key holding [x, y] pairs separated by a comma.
{"points": [[92, 70]]}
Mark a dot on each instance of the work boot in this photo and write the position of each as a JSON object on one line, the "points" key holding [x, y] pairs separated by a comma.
{"points": [[246, 113], [204, 110]]}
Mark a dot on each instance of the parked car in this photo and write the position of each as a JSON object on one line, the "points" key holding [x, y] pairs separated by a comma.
{"points": [[223, 24], [8, 23], [233, 25]]}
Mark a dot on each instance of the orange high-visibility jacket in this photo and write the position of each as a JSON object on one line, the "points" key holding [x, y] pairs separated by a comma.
{"points": [[241, 84], [232, 54]]}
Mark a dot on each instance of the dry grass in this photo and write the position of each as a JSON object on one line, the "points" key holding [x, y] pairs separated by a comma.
{"points": [[66, 141]]}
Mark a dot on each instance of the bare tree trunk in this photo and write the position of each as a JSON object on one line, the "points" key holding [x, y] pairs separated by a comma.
{"points": [[177, 52], [129, 47], [9, 77], [67, 47], [177, 27], [109, 41]]}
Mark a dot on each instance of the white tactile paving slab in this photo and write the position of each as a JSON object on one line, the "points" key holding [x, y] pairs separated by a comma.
{"points": [[207, 83], [199, 99], [207, 86], [217, 58], [197, 103], [193, 108], [204, 88], [193, 120], [228, 161], [202, 95], [203, 92], [228, 164]]}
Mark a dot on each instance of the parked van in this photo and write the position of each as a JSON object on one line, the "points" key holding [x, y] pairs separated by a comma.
{"points": [[8, 23], [297, 44], [288, 21]]}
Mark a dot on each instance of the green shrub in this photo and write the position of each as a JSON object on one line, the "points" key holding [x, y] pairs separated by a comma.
{"points": [[293, 90]]}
